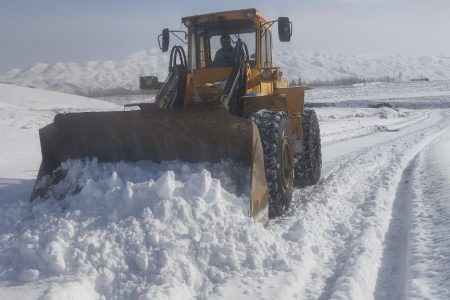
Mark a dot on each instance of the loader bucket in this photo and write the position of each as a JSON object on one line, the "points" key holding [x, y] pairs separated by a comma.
{"points": [[191, 135]]}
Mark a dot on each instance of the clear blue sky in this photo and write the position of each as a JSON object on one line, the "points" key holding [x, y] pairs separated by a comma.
{"points": [[59, 30]]}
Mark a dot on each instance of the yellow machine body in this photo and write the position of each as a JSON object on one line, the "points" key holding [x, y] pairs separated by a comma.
{"points": [[200, 130]]}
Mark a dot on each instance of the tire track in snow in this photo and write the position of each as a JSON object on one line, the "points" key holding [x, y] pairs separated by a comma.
{"points": [[341, 227], [337, 152], [392, 273], [367, 228], [416, 255], [351, 248], [335, 230], [353, 133]]}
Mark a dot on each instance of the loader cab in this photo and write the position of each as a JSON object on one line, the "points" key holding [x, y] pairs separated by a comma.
{"points": [[204, 41], [204, 34], [204, 78]]}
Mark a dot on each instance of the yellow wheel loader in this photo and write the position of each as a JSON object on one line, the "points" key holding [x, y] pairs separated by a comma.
{"points": [[212, 106]]}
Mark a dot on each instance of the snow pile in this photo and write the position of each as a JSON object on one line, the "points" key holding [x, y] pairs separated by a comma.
{"points": [[100, 78], [147, 231]]}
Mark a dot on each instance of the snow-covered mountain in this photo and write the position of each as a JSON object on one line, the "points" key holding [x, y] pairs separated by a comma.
{"points": [[324, 66], [108, 77], [95, 78]]}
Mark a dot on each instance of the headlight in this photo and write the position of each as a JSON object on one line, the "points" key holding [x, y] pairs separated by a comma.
{"points": [[187, 22], [250, 14]]}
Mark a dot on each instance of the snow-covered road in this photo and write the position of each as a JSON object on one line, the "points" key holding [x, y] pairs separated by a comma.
{"points": [[335, 233], [416, 256], [376, 225]]}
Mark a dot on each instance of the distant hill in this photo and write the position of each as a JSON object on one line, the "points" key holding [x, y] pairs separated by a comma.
{"points": [[100, 78]]}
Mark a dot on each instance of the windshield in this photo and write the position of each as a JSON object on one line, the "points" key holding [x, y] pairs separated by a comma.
{"points": [[208, 40], [247, 38]]}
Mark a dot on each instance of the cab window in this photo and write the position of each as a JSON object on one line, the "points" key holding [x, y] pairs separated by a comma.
{"points": [[207, 40]]}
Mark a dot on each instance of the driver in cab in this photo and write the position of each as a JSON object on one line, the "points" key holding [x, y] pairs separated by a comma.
{"points": [[224, 56]]}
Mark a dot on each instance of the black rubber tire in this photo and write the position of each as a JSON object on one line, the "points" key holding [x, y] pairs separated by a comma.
{"points": [[278, 146], [308, 161]]}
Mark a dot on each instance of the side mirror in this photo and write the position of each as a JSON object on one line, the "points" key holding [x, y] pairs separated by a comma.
{"points": [[163, 40], [284, 29]]}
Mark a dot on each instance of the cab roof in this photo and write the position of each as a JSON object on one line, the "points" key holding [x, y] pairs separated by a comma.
{"points": [[241, 14]]}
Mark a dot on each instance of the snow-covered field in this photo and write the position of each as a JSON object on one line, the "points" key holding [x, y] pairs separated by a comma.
{"points": [[100, 78], [376, 225], [432, 94]]}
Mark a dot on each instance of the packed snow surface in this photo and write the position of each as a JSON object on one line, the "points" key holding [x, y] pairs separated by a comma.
{"points": [[100, 78], [374, 227]]}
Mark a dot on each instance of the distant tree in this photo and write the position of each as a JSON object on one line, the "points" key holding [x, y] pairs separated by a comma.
{"points": [[350, 80]]}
